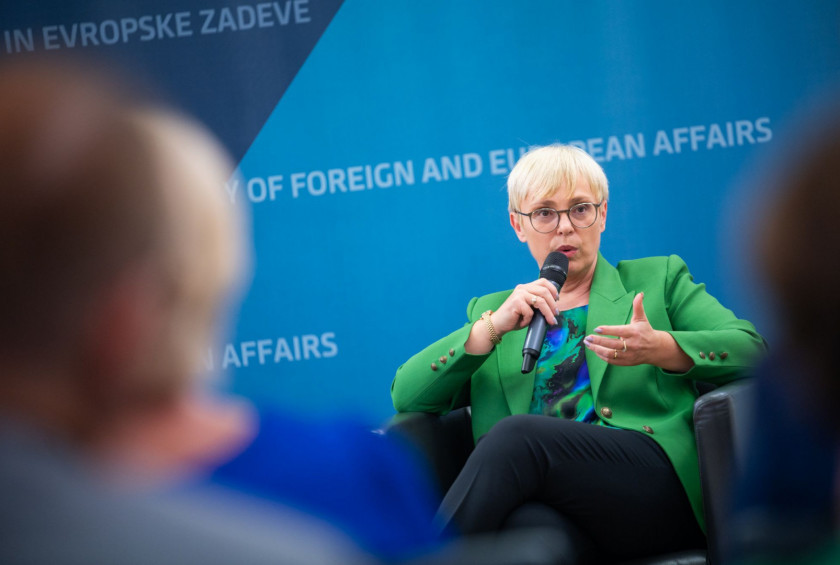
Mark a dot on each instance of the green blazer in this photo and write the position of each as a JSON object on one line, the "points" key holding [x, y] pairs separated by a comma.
{"points": [[643, 398]]}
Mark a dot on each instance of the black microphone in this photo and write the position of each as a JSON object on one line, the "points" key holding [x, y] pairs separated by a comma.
{"points": [[554, 270]]}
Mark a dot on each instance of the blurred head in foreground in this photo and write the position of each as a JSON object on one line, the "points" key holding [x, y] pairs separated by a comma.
{"points": [[797, 247], [117, 248], [786, 507]]}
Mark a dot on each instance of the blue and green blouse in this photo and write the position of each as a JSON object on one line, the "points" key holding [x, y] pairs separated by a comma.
{"points": [[561, 384]]}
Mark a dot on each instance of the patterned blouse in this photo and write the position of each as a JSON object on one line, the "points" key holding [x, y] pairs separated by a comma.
{"points": [[561, 385]]}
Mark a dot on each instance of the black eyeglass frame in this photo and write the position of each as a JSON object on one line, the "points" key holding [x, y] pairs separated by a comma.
{"points": [[558, 212]]}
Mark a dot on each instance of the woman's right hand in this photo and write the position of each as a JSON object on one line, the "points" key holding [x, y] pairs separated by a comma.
{"points": [[516, 312]]}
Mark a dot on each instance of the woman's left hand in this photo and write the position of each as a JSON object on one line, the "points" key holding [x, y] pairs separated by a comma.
{"points": [[638, 343]]}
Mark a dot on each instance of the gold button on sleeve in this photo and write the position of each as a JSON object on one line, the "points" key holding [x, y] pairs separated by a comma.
{"points": [[724, 355], [452, 353], [702, 355], [712, 355], [434, 367], [606, 412], [443, 359], [648, 429]]}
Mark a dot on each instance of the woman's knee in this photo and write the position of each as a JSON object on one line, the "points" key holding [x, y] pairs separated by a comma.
{"points": [[512, 428], [513, 435], [509, 455], [535, 434]]}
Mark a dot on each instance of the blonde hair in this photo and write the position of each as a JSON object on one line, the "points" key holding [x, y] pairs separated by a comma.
{"points": [[544, 170]]}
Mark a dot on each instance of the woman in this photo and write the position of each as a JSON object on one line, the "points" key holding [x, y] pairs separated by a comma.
{"points": [[601, 430]]}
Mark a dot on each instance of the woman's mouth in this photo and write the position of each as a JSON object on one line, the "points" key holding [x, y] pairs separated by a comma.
{"points": [[567, 250]]}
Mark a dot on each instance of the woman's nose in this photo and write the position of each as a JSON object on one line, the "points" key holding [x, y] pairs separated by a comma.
{"points": [[565, 224]]}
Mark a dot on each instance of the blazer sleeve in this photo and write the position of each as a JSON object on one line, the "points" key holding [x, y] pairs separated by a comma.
{"points": [[721, 345], [433, 379]]}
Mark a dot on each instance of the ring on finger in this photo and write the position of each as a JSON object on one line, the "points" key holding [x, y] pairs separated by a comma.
{"points": [[533, 300], [615, 353], [625, 344]]}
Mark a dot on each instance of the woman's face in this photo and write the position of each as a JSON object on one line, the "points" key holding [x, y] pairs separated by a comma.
{"points": [[580, 245]]}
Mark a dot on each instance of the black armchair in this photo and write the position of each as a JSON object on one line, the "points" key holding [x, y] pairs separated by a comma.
{"points": [[720, 422]]}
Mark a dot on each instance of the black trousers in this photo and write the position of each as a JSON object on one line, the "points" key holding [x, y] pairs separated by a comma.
{"points": [[615, 491]]}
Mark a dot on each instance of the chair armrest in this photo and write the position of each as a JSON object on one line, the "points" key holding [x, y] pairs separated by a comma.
{"points": [[721, 419], [444, 441]]}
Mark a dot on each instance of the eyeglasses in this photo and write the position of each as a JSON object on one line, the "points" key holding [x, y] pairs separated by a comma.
{"points": [[546, 220]]}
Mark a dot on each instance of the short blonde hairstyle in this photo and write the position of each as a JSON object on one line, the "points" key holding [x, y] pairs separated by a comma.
{"points": [[542, 171]]}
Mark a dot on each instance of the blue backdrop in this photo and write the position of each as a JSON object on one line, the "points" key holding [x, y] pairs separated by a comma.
{"points": [[374, 138]]}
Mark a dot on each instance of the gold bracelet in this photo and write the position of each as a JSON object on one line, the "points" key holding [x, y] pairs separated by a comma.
{"points": [[494, 337]]}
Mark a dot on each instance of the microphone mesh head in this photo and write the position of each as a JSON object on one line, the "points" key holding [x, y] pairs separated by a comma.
{"points": [[555, 267]]}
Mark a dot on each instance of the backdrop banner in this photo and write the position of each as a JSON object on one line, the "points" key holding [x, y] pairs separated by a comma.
{"points": [[373, 141]]}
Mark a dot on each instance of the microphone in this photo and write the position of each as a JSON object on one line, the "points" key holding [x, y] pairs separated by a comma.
{"points": [[554, 269]]}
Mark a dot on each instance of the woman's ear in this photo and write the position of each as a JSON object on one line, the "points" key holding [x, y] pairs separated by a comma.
{"points": [[516, 224], [604, 216]]}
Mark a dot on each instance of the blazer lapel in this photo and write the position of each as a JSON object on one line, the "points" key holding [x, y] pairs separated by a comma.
{"points": [[518, 388], [609, 305]]}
